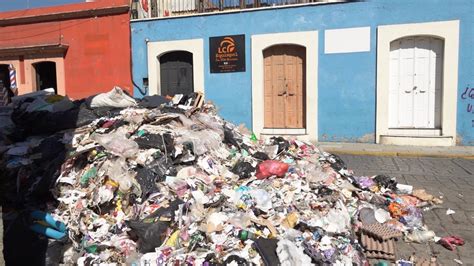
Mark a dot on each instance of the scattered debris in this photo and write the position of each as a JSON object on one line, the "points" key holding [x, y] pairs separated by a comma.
{"points": [[167, 181]]}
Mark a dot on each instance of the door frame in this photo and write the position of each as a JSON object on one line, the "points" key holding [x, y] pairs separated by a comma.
{"points": [[157, 49], [432, 104], [60, 72], [260, 42], [449, 32], [36, 74]]}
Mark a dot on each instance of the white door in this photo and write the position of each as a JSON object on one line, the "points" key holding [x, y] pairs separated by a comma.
{"points": [[416, 65]]}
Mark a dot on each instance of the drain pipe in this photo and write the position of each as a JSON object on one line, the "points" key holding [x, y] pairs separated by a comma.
{"points": [[142, 92]]}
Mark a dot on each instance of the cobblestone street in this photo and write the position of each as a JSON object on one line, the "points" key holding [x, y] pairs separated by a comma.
{"points": [[453, 179]]}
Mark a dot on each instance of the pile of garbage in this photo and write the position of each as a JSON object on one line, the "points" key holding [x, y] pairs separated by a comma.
{"points": [[164, 181]]}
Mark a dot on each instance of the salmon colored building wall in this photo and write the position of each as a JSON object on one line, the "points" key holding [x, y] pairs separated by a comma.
{"points": [[89, 42]]}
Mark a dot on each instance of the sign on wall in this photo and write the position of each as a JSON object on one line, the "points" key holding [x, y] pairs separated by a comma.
{"points": [[349, 40], [227, 53]]}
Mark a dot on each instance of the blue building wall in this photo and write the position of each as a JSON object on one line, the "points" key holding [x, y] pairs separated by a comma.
{"points": [[346, 82]]}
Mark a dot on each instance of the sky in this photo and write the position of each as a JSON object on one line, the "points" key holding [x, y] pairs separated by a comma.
{"points": [[8, 5]]}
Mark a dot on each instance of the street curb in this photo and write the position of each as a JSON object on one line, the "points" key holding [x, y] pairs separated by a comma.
{"points": [[398, 154]]}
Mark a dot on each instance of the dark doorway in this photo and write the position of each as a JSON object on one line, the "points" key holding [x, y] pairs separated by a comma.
{"points": [[46, 76], [5, 75], [176, 73]]}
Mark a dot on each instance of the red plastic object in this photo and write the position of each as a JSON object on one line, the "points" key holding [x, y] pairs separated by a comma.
{"points": [[450, 242], [271, 167]]}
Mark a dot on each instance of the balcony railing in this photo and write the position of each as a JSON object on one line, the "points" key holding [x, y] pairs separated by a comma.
{"points": [[167, 8]]}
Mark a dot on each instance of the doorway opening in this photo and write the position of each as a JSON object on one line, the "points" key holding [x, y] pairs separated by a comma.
{"points": [[45, 74], [5, 75], [416, 77], [176, 73], [285, 87]]}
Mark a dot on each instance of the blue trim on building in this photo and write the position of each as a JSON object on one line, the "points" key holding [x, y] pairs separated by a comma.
{"points": [[346, 82]]}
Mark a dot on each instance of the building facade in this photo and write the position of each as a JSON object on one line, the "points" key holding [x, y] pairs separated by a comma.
{"points": [[77, 49], [394, 72]]}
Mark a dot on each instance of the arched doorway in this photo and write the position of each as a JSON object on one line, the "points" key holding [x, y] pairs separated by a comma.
{"points": [[415, 90], [284, 86], [176, 73], [45, 74]]}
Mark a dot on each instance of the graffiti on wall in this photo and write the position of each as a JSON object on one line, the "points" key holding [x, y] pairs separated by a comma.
{"points": [[468, 97]]}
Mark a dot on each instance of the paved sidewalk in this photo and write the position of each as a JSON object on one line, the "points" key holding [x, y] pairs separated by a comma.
{"points": [[466, 152], [451, 178]]}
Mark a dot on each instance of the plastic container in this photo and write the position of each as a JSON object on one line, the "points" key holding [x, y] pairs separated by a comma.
{"points": [[245, 235]]}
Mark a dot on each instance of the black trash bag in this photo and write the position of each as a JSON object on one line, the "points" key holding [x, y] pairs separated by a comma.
{"points": [[84, 117], [261, 156], [162, 167], [105, 111], [44, 179], [324, 191], [229, 138], [317, 232], [267, 250], [386, 182], [153, 101], [257, 212], [243, 169], [22, 246], [172, 110], [44, 122], [211, 260], [163, 142], [45, 170], [150, 234], [168, 211], [187, 156], [236, 259], [336, 162], [55, 252], [282, 143], [49, 148], [151, 230], [147, 180]]}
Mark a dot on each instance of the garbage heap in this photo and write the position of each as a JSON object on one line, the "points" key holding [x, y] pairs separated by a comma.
{"points": [[166, 182]]}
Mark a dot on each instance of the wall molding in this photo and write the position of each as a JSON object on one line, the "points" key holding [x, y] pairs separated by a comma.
{"points": [[447, 30], [308, 39], [156, 49]]}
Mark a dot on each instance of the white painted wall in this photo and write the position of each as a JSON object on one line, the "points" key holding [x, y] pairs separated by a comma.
{"points": [[348, 40]]}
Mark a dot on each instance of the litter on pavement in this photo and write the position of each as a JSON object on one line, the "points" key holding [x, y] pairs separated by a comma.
{"points": [[166, 181]]}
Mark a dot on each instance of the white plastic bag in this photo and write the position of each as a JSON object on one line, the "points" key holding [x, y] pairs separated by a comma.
{"points": [[118, 144], [114, 98]]}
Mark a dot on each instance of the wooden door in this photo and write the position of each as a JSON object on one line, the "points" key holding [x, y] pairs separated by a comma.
{"points": [[284, 91], [176, 73]]}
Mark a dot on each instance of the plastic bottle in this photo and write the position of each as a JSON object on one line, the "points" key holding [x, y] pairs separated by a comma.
{"points": [[244, 235]]}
